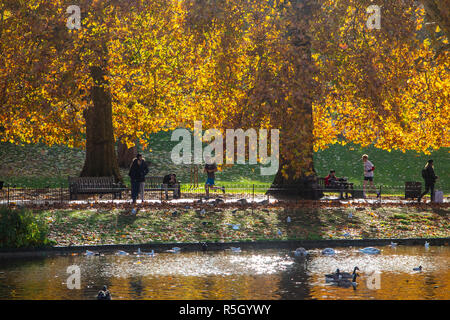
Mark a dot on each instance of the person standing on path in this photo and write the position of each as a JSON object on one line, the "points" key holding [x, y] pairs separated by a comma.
{"points": [[368, 174], [430, 179], [137, 173], [210, 169]]}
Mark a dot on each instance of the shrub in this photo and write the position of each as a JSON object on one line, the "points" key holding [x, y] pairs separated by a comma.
{"points": [[400, 216], [21, 228]]}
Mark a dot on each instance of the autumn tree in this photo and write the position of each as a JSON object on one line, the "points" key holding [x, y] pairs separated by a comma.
{"points": [[84, 87], [137, 67]]}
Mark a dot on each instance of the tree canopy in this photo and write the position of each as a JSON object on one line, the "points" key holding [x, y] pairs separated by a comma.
{"points": [[231, 64]]}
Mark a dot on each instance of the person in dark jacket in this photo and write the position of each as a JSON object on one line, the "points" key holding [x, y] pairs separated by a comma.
{"points": [[138, 171], [170, 181], [430, 179]]}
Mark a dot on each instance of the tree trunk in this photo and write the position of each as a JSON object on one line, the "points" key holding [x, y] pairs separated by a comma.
{"points": [[125, 155], [101, 158], [296, 145]]}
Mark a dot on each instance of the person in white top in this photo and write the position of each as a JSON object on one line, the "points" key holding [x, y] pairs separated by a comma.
{"points": [[368, 174]]}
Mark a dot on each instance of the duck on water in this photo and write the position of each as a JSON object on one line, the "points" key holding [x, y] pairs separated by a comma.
{"points": [[338, 275]]}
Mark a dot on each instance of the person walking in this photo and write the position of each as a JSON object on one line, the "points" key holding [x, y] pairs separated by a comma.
{"points": [[137, 173], [368, 174], [430, 179], [210, 169]]}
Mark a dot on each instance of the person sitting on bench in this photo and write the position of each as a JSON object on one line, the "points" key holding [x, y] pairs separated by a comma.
{"points": [[170, 181], [333, 182]]}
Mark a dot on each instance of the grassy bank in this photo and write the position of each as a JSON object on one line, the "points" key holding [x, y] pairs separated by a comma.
{"points": [[118, 226], [41, 166]]}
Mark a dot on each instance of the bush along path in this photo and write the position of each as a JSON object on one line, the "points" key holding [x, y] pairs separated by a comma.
{"points": [[21, 228], [88, 225]]}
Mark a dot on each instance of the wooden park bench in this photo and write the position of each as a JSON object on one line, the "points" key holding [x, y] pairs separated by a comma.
{"points": [[347, 189], [413, 190], [94, 185], [155, 183]]}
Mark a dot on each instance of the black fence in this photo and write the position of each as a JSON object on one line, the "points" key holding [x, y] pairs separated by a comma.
{"points": [[13, 195]]}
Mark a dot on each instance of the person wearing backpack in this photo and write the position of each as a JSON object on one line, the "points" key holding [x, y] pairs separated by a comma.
{"points": [[430, 179]]}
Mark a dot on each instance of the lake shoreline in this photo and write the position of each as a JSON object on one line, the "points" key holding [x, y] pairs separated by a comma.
{"points": [[217, 246]]}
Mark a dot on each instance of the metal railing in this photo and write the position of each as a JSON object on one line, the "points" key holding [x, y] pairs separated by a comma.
{"points": [[13, 195]]}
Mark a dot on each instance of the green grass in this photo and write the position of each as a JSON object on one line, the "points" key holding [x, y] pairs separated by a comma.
{"points": [[41, 166], [157, 225]]}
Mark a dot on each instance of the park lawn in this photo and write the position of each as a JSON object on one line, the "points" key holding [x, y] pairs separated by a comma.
{"points": [[118, 226], [41, 166]]}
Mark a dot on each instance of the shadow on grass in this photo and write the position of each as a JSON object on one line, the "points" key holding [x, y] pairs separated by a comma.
{"points": [[440, 211]]}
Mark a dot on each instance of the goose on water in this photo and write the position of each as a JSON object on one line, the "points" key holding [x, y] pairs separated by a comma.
{"points": [[91, 253], [104, 294], [141, 253], [328, 252], [348, 275], [338, 275], [419, 268], [174, 250], [300, 252], [370, 250], [346, 283], [235, 249], [121, 253]]}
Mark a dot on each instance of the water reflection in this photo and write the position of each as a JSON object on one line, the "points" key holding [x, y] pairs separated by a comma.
{"points": [[262, 274]]}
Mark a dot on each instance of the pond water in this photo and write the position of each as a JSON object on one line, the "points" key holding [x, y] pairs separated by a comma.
{"points": [[254, 274]]}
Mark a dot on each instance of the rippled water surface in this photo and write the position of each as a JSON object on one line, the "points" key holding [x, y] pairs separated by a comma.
{"points": [[256, 274]]}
